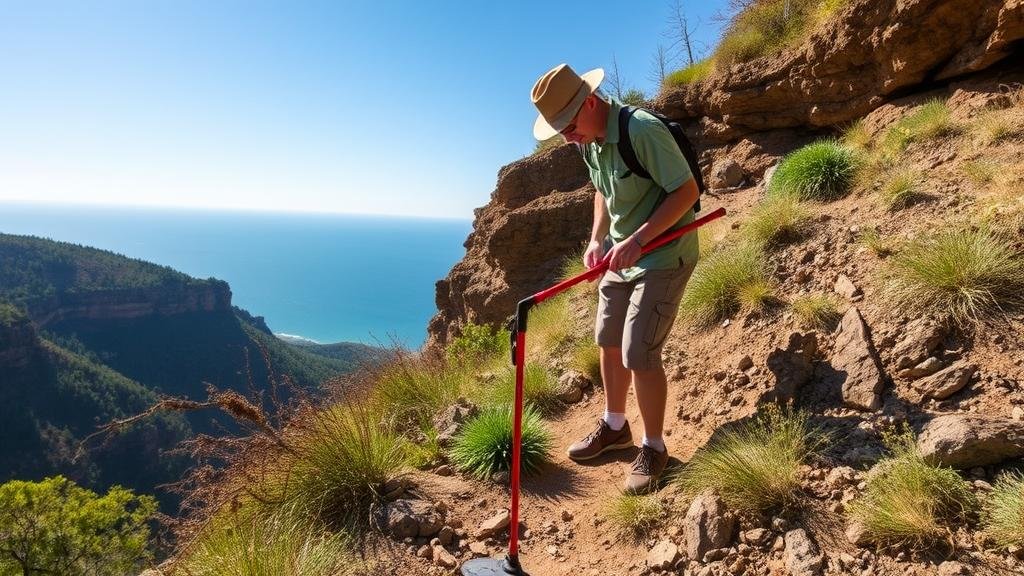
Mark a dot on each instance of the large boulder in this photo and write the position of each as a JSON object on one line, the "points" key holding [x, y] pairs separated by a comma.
{"points": [[708, 525], [969, 440], [854, 359]]}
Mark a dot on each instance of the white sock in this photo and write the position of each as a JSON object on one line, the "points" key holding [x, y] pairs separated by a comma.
{"points": [[656, 443], [615, 420]]}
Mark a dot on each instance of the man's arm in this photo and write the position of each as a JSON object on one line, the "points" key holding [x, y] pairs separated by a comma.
{"points": [[675, 205], [602, 222]]}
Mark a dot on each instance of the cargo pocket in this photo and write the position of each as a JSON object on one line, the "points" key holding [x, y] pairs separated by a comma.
{"points": [[661, 321]]}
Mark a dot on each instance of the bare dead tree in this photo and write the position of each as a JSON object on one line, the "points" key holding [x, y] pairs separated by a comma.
{"points": [[680, 32], [614, 80], [659, 65]]}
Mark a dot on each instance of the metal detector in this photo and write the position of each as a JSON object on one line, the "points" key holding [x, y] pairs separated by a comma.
{"points": [[510, 563]]}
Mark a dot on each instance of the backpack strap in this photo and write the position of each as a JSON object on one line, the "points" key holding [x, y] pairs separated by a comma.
{"points": [[626, 145]]}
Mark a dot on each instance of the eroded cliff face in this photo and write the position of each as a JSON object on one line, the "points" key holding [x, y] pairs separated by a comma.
{"points": [[869, 54], [18, 344], [167, 300]]}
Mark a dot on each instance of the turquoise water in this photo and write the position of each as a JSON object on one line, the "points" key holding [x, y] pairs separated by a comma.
{"points": [[328, 278]]}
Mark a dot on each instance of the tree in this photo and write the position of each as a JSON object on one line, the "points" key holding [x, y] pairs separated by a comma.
{"points": [[614, 80], [56, 527], [659, 66], [680, 33]]}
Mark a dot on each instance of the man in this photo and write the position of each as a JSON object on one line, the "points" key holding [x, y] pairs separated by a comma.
{"points": [[639, 297]]}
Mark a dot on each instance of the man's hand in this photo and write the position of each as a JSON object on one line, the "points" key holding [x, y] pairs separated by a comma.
{"points": [[624, 254], [593, 255]]}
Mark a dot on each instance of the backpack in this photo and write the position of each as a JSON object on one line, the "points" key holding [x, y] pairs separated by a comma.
{"points": [[629, 156]]}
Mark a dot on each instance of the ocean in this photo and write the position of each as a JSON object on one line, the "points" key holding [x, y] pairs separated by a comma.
{"points": [[327, 278]]}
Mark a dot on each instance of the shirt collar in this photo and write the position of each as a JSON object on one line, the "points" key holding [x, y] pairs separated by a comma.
{"points": [[611, 134]]}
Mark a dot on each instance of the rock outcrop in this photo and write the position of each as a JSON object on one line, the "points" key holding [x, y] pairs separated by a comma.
{"points": [[124, 304], [969, 440]]}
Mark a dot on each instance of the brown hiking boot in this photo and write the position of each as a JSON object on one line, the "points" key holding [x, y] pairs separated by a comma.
{"points": [[600, 441], [647, 468]]}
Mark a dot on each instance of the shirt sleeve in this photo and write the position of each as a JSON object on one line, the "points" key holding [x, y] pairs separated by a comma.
{"points": [[658, 152]]}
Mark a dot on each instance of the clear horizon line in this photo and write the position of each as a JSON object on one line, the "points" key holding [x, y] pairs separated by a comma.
{"points": [[199, 208]]}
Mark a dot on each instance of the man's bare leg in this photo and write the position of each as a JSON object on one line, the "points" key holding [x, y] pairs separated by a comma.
{"points": [[616, 379], [651, 393]]}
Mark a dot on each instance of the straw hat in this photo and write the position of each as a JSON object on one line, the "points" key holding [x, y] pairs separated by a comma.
{"points": [[558, 95]]}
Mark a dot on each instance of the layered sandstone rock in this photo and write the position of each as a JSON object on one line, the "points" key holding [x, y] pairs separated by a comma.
{"points": [[167, 300]]}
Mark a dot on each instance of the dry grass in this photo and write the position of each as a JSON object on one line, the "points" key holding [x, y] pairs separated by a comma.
{"points": [[632, 516], [901, 189], [1004, 511], [777, 219], [816, 311], [725, 282]]}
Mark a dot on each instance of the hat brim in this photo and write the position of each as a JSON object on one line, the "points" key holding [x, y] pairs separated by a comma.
{"points": [[543, 129]]}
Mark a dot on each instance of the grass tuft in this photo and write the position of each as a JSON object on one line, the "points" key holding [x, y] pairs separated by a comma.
{"points": [[777, 219], [586, 358], [857, 136], [723, 283], [409, 391], [1004, 511], [872, 239], [485, 444], [980, 172], [272, 546], [339, 460], [540, 389], [901, 189], [819, 171], [633, 516], [931, 120], [693, 73], [966, 273], [816, 311], [755, 466], [549, 144], [908, 501]]}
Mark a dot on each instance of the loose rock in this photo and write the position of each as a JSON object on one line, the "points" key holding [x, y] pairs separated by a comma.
{"points": [[947, 382], [855, 361], [801, 554], [663, 556], [968, 440], [708, 525], [409, 518], [493, 525]]}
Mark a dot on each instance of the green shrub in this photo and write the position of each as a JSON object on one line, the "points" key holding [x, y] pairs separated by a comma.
{"points": [[485, 444], [540, 389], [634, 97], [336, 464], [693, 73], [901, 189], [723, 282], [633, 516], [816, 311], [819, 171], [1004, 510], [966, 273], [768, 26], [908, 501], [931, 120], [754, 466], [57, 527], [777, 219], [478, 342], [274, 546]]}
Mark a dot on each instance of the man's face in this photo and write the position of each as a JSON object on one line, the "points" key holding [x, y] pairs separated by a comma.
{"points": [[585, 127]]}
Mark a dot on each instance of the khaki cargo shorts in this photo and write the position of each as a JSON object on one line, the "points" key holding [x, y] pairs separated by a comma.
{"points": [[638, 315]]}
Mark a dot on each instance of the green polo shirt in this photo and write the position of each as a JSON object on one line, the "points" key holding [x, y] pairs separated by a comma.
{"points": [[630, 199]]}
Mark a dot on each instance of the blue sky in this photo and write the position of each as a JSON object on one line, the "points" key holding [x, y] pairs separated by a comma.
{"points": [[402, 108]]}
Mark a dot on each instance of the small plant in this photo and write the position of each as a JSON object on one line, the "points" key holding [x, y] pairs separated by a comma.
{"points": [[693, 73], [485, 444], [540, 389], [1004, 511], [816, 311], [634, 97], [409, 391], [992, 126], [980, 172], [857, 136], [819, 171], [909, 501], [336, 465], [549, 144], [966, 273], [777, 219], [901, 189], [931, 120], [754, 467], [633, 516], [723, 283], [478, 342], [586, 358], [251, 546], [872, 240]]}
